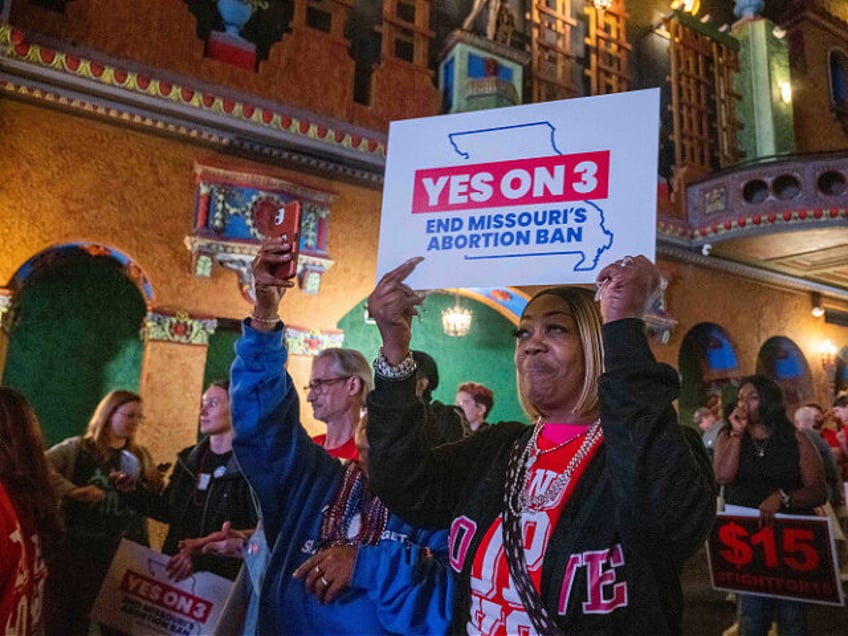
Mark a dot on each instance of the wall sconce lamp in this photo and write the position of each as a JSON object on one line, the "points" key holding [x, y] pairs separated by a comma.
{"points": [[785, 92], [602, 5], [456, 321], [827, 351], [818, 308]]}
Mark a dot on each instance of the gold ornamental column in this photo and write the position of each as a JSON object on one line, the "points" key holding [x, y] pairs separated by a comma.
{"points": [[174, 360]]}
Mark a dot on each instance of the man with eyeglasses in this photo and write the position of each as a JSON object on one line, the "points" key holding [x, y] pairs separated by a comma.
{"points": [[338, 386]]}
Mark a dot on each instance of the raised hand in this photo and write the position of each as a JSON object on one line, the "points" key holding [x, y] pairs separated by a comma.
{"points": [[269, 289], [628, 287], [392, 304]]}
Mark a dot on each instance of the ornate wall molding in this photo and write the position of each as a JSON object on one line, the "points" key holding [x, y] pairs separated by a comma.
{"points": [[178, 327], [106, 88], [225, 234], [303, 341], [768, 197], [752, 273]]}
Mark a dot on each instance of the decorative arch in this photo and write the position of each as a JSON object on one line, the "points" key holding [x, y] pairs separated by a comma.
{"points": [[509, 302], [74, 323], [709, 365], [56, 254], [784, 362], [837, 75], [837, 62]]}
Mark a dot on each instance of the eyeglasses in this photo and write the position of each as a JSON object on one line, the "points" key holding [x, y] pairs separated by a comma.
{"points": [[320, 386]]}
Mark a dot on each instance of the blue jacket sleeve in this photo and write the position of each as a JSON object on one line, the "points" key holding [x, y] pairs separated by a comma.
{"points": [[411, 585], [280, 461]]}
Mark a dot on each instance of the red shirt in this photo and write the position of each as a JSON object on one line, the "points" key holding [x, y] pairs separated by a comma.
{"points": [[345, 451], [22, 571], [496, 608], [829, 435]]}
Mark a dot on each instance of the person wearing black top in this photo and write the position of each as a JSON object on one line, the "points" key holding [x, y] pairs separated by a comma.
{"points": [[205, 490], [764, 463]]}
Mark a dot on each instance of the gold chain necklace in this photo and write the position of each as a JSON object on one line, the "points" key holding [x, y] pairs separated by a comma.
{"points": [[532, 453]]}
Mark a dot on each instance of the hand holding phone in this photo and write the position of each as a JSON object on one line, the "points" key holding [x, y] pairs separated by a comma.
{"points": [[273, 221]]}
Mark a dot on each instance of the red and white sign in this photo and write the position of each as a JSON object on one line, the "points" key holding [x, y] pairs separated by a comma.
{"points": [[794, 558], [137, 597]]}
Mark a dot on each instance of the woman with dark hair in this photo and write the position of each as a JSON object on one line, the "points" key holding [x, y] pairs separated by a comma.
{"points": [[29, 516], [577, 524], [764, 463], [96, 519]]}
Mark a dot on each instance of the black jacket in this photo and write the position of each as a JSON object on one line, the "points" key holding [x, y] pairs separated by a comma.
{"points": [[228, 498], [648, 489]]}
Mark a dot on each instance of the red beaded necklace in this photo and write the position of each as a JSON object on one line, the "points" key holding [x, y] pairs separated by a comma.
{"points": [[354, 503]]}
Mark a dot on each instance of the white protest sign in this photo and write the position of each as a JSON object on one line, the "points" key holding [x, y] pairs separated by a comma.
{"points": [[529, 195], [137, 597]]}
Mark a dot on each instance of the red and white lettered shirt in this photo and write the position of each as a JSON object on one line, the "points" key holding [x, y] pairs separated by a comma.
{"points": [[22, 571], [496, 608]]}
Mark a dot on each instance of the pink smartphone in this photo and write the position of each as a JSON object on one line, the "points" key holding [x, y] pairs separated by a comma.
{"points": [[273, 221]]}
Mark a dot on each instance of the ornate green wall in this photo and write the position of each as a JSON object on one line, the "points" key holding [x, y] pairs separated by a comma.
{"points": [[76, 338], [485, 355]]}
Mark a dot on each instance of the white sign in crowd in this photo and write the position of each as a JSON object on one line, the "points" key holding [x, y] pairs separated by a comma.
{"points": [[529, 195]]}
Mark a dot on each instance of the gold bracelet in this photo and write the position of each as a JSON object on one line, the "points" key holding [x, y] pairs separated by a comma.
{"points": [[264, 321]]}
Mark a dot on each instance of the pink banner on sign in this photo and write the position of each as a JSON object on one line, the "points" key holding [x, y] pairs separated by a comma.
{"points": [[535, 181]]}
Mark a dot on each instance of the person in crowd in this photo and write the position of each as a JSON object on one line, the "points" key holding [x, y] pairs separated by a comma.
{"points": [[476, 402], [96, 518], [448, 423], [581, 522], [766, 464], [29, 516], [838, 439], [205, 490], [716, 407], [706, 420], [358, 568], [338, 385], [809, 419]]}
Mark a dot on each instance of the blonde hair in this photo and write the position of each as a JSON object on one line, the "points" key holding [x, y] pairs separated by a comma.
{"points": [[587, 318], [351, 363], [98, 426]]}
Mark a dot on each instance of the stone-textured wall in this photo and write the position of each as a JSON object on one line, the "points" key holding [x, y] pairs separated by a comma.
{"points": [[809, 44], [69, 178], [749, 312]]}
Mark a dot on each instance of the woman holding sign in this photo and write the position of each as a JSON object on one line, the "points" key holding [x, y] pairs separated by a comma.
{"points": [[580, 523], [766, 464]]}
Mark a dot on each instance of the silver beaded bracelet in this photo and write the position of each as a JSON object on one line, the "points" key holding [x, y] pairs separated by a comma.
{"points": [[400, 371]]}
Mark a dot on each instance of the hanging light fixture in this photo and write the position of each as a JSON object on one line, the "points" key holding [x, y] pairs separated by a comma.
{"points": [[602, 5], [456, 321]]}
